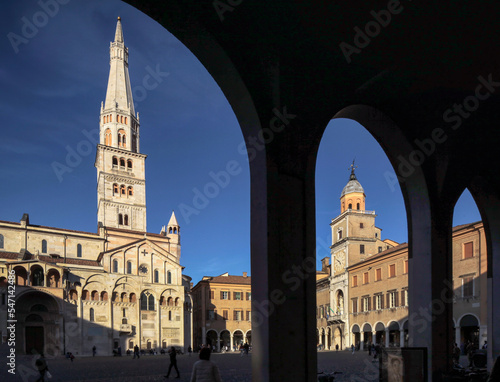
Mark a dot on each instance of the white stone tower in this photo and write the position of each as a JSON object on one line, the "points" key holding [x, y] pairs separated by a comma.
{"points": [[121, 181]]}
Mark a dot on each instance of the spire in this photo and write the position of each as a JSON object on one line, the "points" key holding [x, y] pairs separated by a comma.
{"points": [[353, 194], [353, 167], [119, 92], [173, 220], [119, 32]]}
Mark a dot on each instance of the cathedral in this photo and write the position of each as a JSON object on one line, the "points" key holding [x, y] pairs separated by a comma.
{"points": [[122, 286]]}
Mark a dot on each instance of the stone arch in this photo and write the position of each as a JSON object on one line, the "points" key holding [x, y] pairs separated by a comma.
{"points": [[53, 278], [37, 275], [21, 275]]}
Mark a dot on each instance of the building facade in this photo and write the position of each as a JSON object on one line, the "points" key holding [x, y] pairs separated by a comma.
{"points": [[222, 312], [369, 282], [113, 289]]}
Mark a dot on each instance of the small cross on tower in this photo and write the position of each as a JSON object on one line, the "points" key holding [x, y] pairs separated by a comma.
{"points": [[144, 252]]}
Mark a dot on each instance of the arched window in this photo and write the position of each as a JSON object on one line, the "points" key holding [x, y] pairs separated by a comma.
{"points": [[122, 138], [175, 230], [129, 164], [169, 277], [124, 297], [1, 241], [132, 297], [91, 315], [147, 301], [104, 296], [125, 220], [107, 137], [157, 276], [115, 266], [122, 162], [350, 206], [44, 246], [129, 267], [85, 295], [120, 219], [121, 118], [115, 189], [73, 295], [95, 295], [122, 190], [170, 230], [37, 276], [79, 250], [125, 120], [111, 118], [130, 191], [357, 206], [115, 161]]}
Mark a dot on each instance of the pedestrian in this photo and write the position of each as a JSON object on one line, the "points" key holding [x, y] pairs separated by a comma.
{"points": [[190, 350], [470, 352], [352, 348], [247, 348], [43, 368], [71, 357], [456, 354], [173, 362], [204, 369], [376, 351], [94, 350], [485, 346], [136, 351]]}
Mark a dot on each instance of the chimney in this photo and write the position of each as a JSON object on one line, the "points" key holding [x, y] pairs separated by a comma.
{"points": [[244, 274]]}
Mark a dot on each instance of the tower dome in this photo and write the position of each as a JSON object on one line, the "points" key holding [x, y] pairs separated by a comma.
{"points": [[353, 194]]}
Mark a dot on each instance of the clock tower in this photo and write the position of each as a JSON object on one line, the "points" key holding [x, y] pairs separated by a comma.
{"points": [[354, 238]]}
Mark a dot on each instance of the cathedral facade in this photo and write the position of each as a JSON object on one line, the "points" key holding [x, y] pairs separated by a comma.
{"points": [[114, 289]]}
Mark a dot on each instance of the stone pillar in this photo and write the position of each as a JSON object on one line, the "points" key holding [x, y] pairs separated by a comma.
{"points": [[402, 338], [457, 335], [231, 341], [430, 322], [283, 243], [386, 337], [203, 335]]}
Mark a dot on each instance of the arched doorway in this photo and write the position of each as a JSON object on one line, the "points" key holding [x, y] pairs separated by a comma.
{"points": [[337, 338], [394, 334], [237, 339], [212, 339], [322, 342], [469, 330], [380, 333], [225, 340], [248, 337], [39, 325], [36, 276], [367, 336], [356, 336]]}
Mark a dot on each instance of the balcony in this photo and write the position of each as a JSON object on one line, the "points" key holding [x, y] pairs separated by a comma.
{"points": [[126, 328]]}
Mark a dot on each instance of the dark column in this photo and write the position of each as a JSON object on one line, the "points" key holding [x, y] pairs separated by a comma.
{"points": [[430, 284], [283, 274]]}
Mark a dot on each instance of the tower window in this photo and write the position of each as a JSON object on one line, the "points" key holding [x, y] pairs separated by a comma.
{"points": [[350, 206], [125, 220], [115, 189], [125, 120], [122, 190], [340, 234], [361, 225], [122, 141], [115, 161], [122, 162], [357, 206], [130, 191], [120, 219], [107, 137], [79, 250], [129, 164]]}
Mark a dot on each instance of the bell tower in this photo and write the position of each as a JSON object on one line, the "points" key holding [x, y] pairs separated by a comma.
{"points": [[121, 181]]}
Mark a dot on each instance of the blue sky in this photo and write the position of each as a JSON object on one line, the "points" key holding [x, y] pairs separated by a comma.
{"points": [[53, 77]]}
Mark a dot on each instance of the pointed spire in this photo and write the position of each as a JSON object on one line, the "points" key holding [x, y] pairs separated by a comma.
{"points": [[173, 220], [119, 31]]}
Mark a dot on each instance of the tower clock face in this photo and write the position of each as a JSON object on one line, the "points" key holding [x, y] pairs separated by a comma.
{"points": [[339, 261], [143, 269]]}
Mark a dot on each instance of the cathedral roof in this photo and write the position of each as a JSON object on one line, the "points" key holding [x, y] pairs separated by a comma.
{"points": [[352, 185]]}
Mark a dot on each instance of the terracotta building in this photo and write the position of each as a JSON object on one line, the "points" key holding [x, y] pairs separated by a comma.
{"points": [[222, 311], [114, 289]]}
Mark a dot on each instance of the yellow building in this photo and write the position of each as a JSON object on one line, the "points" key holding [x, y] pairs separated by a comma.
{"points": [[222, 311], [113, 289], [369, 281]]}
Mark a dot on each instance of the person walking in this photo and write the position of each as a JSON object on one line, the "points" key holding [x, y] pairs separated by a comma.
{"points": [[456, 354], [173, 362], [136, 351], [352, 348], [94, 350], [205, 370], [43, 369]]}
